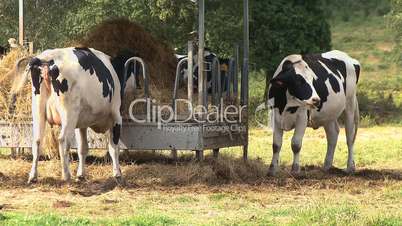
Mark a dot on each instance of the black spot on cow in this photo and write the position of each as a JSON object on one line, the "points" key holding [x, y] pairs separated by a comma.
{"points": [[89, 61], [279, 95], [34, 65], [292, 110], [118, 63], [357, 70], [296, 148], [287, 65], [299, 88], [336, 66], [116, 133], [57, 85], [276, 148], [334, 84]]}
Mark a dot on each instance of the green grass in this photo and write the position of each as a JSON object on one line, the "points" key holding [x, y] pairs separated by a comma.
{"points": [[18, 219], [321, 214]]}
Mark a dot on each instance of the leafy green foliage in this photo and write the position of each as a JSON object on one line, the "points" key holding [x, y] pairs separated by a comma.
{"points": [[43, 21], [8, 20], [283, 27]]}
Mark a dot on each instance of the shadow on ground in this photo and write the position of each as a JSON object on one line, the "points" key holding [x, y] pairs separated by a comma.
{"points": [[146, 170]]}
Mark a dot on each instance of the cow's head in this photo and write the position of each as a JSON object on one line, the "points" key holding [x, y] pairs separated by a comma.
{"points": [[298, 79]]}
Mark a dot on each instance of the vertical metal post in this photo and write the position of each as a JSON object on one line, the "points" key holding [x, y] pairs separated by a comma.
{"points": [[236, 73], [199, 155], [21, 22], [174, 155], [245, 69], [31, 48], [201, 43], [190, 72], [215, 152], [245, 83]]}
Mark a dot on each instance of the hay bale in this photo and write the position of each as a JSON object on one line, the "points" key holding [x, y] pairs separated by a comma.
{"points": [[118, 35]]}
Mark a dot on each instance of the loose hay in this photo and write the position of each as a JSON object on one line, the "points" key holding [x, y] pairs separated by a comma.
{"points": [[6, 80]]}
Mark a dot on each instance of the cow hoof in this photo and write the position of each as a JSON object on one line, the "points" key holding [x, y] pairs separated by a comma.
{"points": [[327, 168], [271, 172], [350, 170], [32, 180], [295, 169], [119, 180], [80, 179], [67, 178]]}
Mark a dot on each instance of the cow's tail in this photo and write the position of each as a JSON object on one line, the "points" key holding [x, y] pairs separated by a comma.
{"points": [[356, 118], [20, 73]]}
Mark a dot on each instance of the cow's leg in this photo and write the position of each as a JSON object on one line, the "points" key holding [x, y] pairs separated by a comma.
{"points": [[297, 141], [332, 132], [82, 142], [276, 148], [351, 124], [64, 147], [39, 123], [68, 124], [114, 146]]}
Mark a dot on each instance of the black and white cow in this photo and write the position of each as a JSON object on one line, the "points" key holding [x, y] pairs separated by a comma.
{"points": [[314, 90], [209, 58], [75, 88]]}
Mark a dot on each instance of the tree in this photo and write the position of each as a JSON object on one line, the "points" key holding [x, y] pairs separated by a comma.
{"points": [[169, 20], [8, 20], [284, 27]]}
